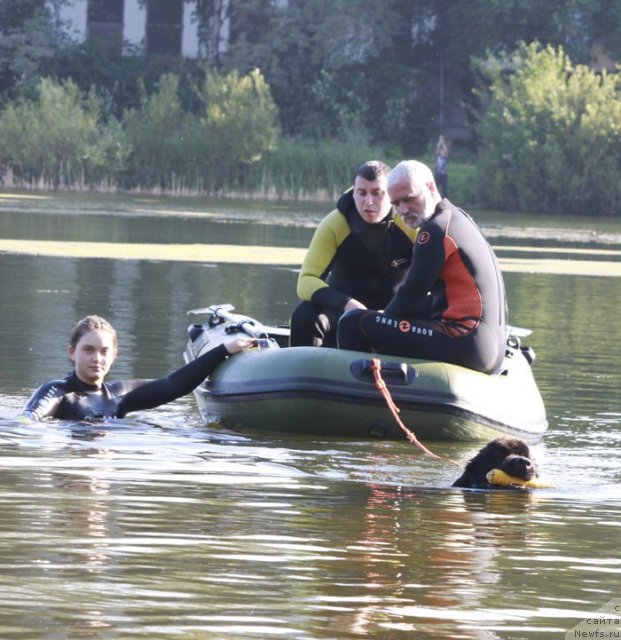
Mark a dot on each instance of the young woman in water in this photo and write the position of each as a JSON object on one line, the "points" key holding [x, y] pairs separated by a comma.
{"points": [[84, 395]]}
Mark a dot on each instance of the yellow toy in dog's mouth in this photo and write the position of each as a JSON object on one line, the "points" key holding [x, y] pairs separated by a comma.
{"points": [[502, 479]]}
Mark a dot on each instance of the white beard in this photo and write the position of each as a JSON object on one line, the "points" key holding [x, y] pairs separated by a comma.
{"points": [[415, 220]]}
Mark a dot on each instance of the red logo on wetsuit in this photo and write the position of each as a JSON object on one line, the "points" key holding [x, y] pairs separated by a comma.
{"points": [[404, 326], [424, 237]]}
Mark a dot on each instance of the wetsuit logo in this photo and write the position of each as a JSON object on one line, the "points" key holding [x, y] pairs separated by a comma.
{"points": [[424, 237], [399, 262], [403, 325]]}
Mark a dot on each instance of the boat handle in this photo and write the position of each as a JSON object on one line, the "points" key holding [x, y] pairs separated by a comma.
{"points": [[393, 372]]}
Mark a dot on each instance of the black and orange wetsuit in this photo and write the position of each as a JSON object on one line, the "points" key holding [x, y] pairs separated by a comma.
{"points": [[348, 258], [451, 305], [72, 399]]}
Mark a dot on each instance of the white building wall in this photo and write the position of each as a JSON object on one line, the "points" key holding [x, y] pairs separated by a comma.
{"points": [[135, 23], [223, 42], [73, 16], [189, 33], [75, 12]]}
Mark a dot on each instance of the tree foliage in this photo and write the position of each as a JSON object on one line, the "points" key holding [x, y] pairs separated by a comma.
{"points": [[395, 71], [234, 126], [29, 39], [156, 132], [56, 139], [551, 132], [321, 60], [390, 75]]}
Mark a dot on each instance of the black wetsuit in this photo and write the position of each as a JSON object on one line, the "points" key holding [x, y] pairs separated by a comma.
{"points": [[348, 258], [72, 399], [451, 305]]}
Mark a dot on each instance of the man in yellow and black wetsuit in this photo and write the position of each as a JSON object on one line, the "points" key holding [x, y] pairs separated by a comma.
{"points": [[357, 258]]}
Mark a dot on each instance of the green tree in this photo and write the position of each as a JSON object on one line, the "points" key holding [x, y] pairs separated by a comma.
{"points": [[314, 55], [393, 71], [156, 133], [210, 149], [235, 127], [119, 79], [550, 136], [388, 75], [606, 26], [29, 37], [57, 139]]}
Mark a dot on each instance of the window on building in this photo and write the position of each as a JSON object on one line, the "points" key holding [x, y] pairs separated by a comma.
{"points": [[164, 26], [105, 21]]}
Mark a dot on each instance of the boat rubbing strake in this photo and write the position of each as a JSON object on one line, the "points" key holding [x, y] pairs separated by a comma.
{"points": [[331, 392]]}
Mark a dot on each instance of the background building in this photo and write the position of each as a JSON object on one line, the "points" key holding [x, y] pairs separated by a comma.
{"points": [[144, 26]]}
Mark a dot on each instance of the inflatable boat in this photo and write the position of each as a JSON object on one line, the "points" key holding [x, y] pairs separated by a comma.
{"points": [[332, 392]]}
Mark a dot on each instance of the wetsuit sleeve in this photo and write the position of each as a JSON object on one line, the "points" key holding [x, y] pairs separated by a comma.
{"points": [[45, 401], [173, 386], [312, 285], [412, 299]]}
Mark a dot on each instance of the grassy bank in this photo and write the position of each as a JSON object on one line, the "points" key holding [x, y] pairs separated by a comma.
{"points": [[292, 180]]}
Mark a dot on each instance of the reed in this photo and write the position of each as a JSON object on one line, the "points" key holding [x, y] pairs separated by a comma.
{"points": [[301, 169]]}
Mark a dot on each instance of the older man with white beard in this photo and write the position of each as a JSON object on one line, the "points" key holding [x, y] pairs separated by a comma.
{"points": [[451, 306]]}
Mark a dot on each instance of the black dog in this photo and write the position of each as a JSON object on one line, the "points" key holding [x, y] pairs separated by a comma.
{"points": [[507, 454]]}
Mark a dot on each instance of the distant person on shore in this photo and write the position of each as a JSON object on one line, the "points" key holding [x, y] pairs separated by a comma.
{"points": [[84, 395], [451, 306], [358, 256], [441, 167]]}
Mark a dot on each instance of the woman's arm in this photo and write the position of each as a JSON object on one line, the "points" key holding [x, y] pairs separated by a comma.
{"points": [[180, 382]]}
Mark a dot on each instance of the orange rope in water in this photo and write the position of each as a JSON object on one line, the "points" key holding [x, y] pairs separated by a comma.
{"points": [[376, 367]]}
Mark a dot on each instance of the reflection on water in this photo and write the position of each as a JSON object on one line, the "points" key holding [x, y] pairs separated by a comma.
{"points": [[135, 526], [165, 529], [157, 526]]}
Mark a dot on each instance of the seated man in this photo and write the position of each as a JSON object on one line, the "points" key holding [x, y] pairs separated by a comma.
{"points": [[451, 305], [357, 258]]}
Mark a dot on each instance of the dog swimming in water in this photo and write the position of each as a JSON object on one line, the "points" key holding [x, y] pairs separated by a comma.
{"points": [[509, 455]]}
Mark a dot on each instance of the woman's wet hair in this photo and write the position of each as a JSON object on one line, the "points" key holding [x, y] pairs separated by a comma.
{"points": [[372, 170], [90, 323]]}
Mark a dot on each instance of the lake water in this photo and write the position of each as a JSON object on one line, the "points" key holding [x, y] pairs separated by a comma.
{"points": [[158, 527]]}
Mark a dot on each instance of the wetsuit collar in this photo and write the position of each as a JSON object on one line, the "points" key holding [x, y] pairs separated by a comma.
{"points": [[82, 386]]}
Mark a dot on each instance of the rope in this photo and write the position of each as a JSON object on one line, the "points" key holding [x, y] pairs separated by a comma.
{"points": [[376, 367]]}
